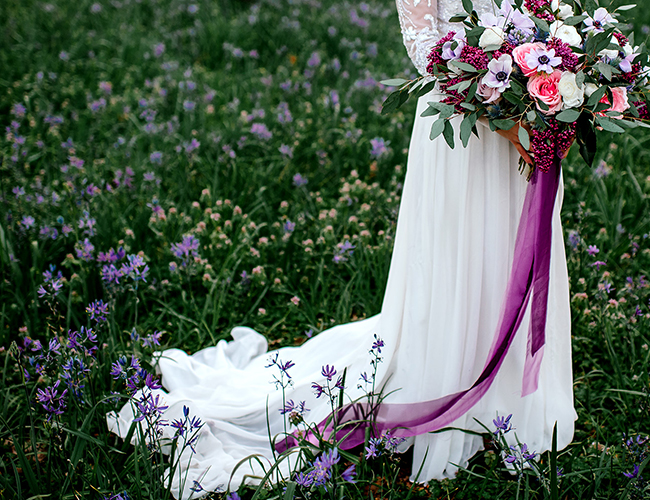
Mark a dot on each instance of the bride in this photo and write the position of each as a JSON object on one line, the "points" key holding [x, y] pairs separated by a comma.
{"points": [[453, 252]]}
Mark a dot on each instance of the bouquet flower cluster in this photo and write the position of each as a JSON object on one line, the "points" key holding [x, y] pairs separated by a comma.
{"points": [[560, 70]]}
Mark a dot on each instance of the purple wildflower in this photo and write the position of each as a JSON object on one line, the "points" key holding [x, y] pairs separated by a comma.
{"points": [[299, 180], [328, 372]]}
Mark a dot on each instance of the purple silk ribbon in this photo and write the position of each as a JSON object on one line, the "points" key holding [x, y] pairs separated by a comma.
{"points": [[529, 277]]}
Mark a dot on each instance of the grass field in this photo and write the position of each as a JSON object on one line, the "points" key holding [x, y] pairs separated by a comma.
{"points": [[171, 169]]}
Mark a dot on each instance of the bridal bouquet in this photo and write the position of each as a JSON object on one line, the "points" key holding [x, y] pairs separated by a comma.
{"points": [[561, 70]]}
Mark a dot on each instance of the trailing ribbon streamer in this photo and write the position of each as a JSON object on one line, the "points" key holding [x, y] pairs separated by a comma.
{"points": [[529, 277]]}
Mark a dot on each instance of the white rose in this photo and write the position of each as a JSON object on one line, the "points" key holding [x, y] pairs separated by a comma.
{"points": [[590, 88], [491, 37], [566, 11], [572, 95], [568, 34]]}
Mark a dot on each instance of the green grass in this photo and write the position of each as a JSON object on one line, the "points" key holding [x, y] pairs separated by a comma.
{"points": [[240, 206]]}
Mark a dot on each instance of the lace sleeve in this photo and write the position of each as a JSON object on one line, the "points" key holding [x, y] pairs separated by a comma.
{"points": [[419, 23]]}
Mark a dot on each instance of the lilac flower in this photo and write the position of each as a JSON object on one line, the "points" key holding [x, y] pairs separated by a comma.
{"points": [[348, 474], [28, 221], [196, 487], [299, 180], [106, 87], [598, 264], [149, 407], [304, 480], [96, 8], [328, 372], [592, 250], [499, 70], [153, 339], [598, 22], [193, 145], [633, 474], [377, 344], [84, 250], [286, 151], [111, 256], [261, 131], [371, 450], [97, 311], [158, 49], [135, 268], [542, 59], [51, 401], [502, 424], [64, 56], [379, 147], [110, 274], [18, 191], [574, 239], [289, 226], [233, 496], [319, 390], [186, 248], [156, 157], [98, 105], [189, 105], [314, 60], [87, 223], [18, 110]]}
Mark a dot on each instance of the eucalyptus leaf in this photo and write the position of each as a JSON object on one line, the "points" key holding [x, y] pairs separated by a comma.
{"points": [[626, 7], [541, 24], [394, 82], [580, 78], [436, 128], [468, 6], [448, 134], [464, 66], [472, 91], [609, 125], [531, 115], [466, 130], [468, 106], [596, 96], [458, 18], [605, 70], [568, 116], [430, 111], [524, 138], [573, 20], [504, 124]]}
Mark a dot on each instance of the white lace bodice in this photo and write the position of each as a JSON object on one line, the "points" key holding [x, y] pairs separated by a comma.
{"points": [[424, 22]]}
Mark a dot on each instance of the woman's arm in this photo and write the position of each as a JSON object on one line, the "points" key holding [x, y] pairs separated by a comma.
{"points": [[419, 22]]}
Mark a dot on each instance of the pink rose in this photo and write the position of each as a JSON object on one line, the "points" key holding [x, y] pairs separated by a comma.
{"points": [[544, 88], [520, 53], [488, 93], [621, 103]]}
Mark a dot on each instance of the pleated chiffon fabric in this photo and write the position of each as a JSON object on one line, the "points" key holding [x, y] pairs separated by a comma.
{"points": [[453, 253]]}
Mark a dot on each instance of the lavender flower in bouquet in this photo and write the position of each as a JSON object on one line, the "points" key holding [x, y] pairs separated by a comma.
{"points": [[559, 70]]}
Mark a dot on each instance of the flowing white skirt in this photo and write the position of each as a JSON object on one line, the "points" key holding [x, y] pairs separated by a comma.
{"points": [[453, 250]]}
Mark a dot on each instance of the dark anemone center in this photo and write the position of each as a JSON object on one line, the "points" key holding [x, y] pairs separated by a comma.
{"points": [[544, 59], [597, 24], [502, 76]]}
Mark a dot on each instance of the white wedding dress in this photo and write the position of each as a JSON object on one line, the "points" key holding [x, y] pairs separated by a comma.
{"points": [[453, 250]]}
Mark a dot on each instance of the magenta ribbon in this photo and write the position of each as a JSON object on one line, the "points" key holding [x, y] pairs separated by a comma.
{"points": [[529, 277]]}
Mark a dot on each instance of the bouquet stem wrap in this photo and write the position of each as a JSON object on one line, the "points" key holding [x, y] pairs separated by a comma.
{"points": [[529, 278]]}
